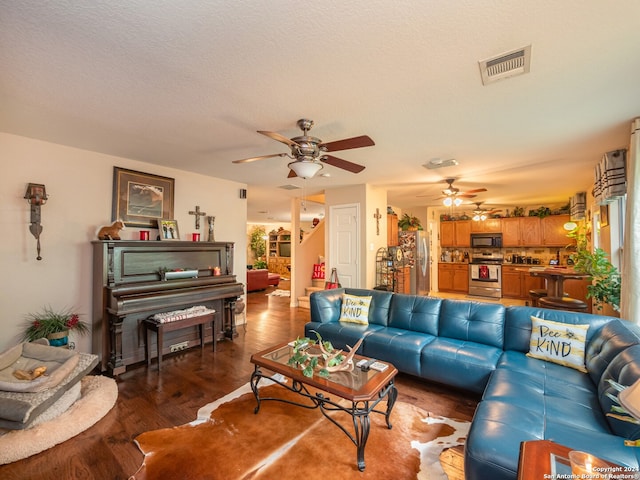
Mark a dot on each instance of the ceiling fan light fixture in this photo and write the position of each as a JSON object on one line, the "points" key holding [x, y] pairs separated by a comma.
{"points": [[305, 169], [447, 202], [457, 202]]}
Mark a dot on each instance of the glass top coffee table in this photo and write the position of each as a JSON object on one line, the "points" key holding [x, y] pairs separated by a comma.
{"points": [[362, 390]]}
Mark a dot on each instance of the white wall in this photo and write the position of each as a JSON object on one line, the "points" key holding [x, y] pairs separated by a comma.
{"points": [[375, 238], [369, 198], [79, 184]]}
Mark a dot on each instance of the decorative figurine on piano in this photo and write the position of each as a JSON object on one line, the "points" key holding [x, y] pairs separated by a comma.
{"points": [[111, 232]]}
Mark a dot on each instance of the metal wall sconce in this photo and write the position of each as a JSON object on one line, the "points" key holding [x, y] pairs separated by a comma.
{"points": [[36, 195]]}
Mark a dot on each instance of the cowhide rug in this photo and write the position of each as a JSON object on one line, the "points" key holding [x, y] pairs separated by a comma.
{"points": [[229, 441]]}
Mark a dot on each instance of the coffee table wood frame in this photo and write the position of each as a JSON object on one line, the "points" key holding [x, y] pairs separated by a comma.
{"points": [[535, 461], [362, 401]]}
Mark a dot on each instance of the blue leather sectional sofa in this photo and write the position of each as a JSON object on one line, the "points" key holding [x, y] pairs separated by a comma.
{"points": [[482, 347]]}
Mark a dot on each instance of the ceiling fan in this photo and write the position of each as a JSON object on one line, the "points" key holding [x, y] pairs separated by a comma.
{"points": [[481, 213], [453, 195], [308, 153]]}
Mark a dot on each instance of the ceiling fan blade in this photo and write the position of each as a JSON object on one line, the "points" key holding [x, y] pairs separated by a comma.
{"points": [[292, 174], [348, 143], [465, 195], [343, 164], [477, 190], [261, 157], [279, 138]]}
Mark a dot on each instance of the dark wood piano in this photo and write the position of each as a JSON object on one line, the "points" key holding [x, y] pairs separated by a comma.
{"points": [[128, 287]]}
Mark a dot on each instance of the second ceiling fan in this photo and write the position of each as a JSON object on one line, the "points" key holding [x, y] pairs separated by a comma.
{"points": [[309, 152], [482, 213], [453, 196]]}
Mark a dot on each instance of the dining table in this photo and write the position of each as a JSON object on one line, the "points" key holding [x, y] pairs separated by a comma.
{"points": [[555, 277]]}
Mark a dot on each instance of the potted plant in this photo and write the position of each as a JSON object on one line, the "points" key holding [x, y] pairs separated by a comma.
{"points": [[407, 222], [605, 278], [257, 242], [54, 326]]}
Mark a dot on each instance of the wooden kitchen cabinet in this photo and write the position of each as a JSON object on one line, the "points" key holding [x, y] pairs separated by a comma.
{"points": [[511, 282], [455, 234], [490, 225], [521, 232], [516, 283], [453, 277], [445, 277], [553, 232]]}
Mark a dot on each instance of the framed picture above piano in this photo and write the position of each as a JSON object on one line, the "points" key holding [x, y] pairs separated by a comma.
{"points": [[140, 199]]}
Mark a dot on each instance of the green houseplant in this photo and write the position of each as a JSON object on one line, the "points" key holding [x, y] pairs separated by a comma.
{"points": [[407, 222], [605, 278], [49, 323], [258, 264], [258, 245]]}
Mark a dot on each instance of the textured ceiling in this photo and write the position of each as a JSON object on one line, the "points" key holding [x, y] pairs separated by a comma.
{"points": [[187, 84]]}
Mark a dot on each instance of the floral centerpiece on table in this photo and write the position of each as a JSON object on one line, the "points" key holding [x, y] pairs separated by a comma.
{"points": [[49, 322]]}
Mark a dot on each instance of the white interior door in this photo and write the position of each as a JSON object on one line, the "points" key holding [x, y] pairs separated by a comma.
{"points": [[344, 244]]}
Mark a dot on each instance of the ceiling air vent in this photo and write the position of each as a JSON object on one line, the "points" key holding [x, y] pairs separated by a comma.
{"points": [[440, 163], [506, 65], [289, 187]]}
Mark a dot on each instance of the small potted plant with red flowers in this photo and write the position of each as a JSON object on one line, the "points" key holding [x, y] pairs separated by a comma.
{"points": [[54, 326]]}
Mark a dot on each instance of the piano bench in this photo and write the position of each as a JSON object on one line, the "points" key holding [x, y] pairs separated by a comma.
{"points": [[160, 328]]}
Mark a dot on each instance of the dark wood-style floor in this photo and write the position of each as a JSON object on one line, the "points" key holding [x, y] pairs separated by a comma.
{"points": [[150, 400]]}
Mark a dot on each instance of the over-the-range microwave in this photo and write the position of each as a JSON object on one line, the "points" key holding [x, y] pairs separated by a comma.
{"points": [[486, 240]]}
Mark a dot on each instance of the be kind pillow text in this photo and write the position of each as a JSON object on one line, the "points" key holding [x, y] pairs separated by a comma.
{"points": [[355, 309], [557, 342]]}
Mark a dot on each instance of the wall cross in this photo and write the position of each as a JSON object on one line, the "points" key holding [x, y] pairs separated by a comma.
{"points": [[377, 216], [198, 214]]}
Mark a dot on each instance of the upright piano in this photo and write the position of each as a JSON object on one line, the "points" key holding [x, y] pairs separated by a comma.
{"points": [[129, 286]]}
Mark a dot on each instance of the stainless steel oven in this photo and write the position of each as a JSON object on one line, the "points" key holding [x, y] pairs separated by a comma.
{"points": [[485, 276]]}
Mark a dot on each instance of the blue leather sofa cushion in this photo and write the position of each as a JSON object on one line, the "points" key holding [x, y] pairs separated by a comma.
{"points": [[606, 343], [539, 372], [417, 314], [459, 363], [531, 399], [498, 427], [325, 311], [326, 307], [518, 324], [625, 370], [399, 347], [565, 395], [472, 321]]}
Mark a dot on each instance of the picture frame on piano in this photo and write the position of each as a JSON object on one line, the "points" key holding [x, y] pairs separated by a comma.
{"points": [[140, 199], [168, 230]]}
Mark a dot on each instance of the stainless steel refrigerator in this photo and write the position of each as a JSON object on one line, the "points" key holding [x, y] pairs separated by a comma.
{"points": [[415, 246]]}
